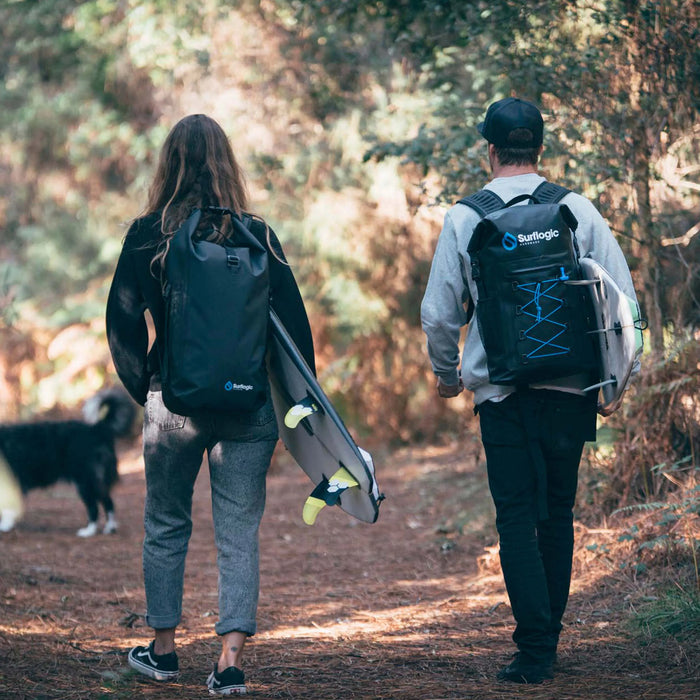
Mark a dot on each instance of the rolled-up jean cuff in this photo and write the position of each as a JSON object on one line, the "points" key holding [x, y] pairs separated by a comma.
{"points": [[162, 622], [248, 627]]}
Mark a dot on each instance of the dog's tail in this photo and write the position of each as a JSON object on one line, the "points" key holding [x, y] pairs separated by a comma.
{"points": [[112, 408]]}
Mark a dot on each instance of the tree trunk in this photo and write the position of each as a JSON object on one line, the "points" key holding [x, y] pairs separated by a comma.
{"points": [[643, 225], [644, 230]]}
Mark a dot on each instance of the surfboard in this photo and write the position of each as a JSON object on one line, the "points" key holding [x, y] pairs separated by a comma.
{"points": [[619, 333], [316, 437]]}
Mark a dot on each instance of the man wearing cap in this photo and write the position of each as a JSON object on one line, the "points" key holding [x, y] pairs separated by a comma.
{"points": [[535, 551]]}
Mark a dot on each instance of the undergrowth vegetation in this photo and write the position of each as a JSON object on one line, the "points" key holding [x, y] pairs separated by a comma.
{"points": [[643, 481], [675, 613]]}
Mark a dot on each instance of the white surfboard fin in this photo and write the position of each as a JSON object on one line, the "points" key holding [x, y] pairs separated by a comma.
{"points": [[297, 413], [327, 493]]}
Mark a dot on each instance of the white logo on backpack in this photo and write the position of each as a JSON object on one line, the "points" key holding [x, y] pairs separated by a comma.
{"points": [[230, 386], [537, 236]]}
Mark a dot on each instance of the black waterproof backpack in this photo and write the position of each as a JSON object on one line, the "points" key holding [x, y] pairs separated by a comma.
{"points": [[217, 300], [533, 324]]}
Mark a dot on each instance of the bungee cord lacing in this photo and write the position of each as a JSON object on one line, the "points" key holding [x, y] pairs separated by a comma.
{"points": [[544, 322]]}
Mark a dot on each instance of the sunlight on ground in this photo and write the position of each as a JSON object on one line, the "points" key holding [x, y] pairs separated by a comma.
{"points": [[404, 619], [131, 463]]}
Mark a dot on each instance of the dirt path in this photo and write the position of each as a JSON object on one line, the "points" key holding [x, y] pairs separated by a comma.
{"points": [[407, 608]]}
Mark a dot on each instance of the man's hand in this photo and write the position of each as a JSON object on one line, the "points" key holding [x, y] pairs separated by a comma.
{"points": [[447, 391]]}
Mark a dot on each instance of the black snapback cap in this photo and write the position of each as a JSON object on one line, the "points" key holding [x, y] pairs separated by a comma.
{"points": [[506, 115]]}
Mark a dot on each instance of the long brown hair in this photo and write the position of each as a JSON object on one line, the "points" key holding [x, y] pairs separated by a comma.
{"points": [[196, 168]]}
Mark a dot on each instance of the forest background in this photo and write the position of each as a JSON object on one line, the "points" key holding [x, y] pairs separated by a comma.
{"points": [[355, 122]]}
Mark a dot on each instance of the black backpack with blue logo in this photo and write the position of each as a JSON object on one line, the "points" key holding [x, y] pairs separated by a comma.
{"points": [[534, 324], [217, 303]]}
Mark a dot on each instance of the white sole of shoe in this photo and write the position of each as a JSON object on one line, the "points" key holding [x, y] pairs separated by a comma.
{"points": [[231, 690], [151, 672]]}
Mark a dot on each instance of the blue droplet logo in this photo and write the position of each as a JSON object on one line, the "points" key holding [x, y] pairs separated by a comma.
{"points": [[509, 242], [229, 385]]}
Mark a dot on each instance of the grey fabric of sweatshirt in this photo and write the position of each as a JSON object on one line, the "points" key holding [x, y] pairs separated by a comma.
{"points": [[443, 310]]}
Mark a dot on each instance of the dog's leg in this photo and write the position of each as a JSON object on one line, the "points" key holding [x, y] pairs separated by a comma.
{"points": [[111, 524], [88, 496], [88, 531]]}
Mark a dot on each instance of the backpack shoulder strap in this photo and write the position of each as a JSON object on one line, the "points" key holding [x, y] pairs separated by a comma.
{"points": [[549, 193], [483, 202]]}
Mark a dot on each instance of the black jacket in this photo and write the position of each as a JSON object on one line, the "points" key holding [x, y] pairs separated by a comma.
{"points": [[137, 289]]}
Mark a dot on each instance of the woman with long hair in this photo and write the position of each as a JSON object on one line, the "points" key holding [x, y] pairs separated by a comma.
{"points": [[196, 169]]}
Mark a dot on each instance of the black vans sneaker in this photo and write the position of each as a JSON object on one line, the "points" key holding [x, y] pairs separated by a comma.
{"points": [[526, 669], [160, 667], [230, 681]]}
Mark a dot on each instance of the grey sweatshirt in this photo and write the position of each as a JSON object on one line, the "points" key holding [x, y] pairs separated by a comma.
{"points": [[443, 310]]}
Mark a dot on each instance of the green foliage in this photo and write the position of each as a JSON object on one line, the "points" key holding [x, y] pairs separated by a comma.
{"points": [[9, 281], [77, 135], [337, 43], [580, 62], [676, 613]]}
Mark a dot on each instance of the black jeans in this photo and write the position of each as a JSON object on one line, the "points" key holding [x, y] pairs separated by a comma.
{"points": [[533, 442]]}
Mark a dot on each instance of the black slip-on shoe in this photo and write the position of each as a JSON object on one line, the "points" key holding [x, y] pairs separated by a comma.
{"points": [[231, 681], [160, 667], [525, 669]]}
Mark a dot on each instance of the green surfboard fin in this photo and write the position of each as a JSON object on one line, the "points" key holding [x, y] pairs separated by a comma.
{"points": [[327, 493]]}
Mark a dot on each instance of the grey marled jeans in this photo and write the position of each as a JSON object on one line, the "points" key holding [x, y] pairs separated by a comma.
{"points": [[239, 448]]}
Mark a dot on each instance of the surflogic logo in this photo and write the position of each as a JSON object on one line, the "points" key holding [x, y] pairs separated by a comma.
{"points": [[511, 242], [230, 386]]}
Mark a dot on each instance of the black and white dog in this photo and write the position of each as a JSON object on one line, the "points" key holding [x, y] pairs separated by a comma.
{"points": [[39, 454]]}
